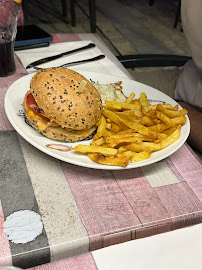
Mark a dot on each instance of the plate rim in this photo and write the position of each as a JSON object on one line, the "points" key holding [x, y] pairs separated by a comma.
{"points": [[92, 165]]}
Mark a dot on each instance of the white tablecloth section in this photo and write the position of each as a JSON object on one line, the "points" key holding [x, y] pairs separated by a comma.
{"points": [[101, 66]]}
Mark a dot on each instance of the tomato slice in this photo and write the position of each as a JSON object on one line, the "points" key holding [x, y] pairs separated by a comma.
{"points": [[32, 105]]}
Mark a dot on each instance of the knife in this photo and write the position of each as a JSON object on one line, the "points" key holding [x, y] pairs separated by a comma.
{"points": [[51, 58]]}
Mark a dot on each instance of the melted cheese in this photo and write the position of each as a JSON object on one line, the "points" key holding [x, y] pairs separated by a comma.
{"points": [[33, 115], [83, 132], [41, 123]]}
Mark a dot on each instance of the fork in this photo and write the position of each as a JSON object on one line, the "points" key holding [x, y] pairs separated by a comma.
{"points": [[99, 57]]}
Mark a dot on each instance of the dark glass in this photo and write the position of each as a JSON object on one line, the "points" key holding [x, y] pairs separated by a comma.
{"points": [[9, 15], [7, 63]]}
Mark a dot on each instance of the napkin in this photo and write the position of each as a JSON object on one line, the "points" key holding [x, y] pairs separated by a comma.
{"points": [[101, 66], [176, 250]]}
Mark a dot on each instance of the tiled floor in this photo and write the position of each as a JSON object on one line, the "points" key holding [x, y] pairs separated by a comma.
{"points": [[127, 27]]}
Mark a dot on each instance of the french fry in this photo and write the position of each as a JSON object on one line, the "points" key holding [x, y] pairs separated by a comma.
{"points": [[151, 113], [152, 147], [163, 136], [98, 122], [98, 142], [115, 161], [126, 154], [115, 128], [121, 149], [135, 101], [164, 105], [122, 105], [136, 126], [107, 133], [145, 138], [108, 126], [130, 131], [146, 121], [171, 122], [171, 113], [168, 131], [181, 120], [143, 100], [126, 131], [165, 119], [130, 98], [114, 118], [158, 128], [114, 140], [131, 114], [175, 108], [108, 120], [156, 121], [102, 127], [96, 149], [140, 156]]}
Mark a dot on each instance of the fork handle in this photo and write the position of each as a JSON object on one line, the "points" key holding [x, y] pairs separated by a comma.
{"points": [[99, 57]]}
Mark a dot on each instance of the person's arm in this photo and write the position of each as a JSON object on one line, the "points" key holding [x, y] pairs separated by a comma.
{"points": [[191, 15], [195, 117], [189, 85]]}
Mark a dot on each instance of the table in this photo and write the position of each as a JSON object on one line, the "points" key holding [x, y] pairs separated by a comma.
{"points": [[83, 209]]}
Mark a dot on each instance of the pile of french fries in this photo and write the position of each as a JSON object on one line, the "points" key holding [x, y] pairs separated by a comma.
{"points": [[130, 131]]}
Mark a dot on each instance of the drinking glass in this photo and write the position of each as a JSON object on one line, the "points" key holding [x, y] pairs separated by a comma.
{"points": [[9, 15]]}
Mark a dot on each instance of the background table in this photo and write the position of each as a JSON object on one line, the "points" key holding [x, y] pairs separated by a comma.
{"points": [[84, 209]]}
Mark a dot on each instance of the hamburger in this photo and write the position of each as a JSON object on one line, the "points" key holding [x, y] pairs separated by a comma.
{"points": [[62, 105]]}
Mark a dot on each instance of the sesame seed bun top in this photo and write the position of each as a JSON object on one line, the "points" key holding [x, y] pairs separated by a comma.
{"points": [[67, 98]]}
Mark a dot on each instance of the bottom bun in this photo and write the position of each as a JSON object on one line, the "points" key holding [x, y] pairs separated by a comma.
{"points": [[56, 132], [59, 133]]}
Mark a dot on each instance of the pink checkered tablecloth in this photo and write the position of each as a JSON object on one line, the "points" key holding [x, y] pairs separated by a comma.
{"points": [[84, 209]]}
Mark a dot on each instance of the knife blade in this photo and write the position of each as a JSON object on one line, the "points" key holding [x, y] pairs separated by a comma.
{"points": [[51, 58]]}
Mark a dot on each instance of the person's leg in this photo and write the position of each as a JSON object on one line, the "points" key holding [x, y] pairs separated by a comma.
{"points": [[163, 80]]}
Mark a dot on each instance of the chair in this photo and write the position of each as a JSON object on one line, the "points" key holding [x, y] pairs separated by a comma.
{"points": [[91, 15], [49, 9], [152, 60], [177, 17]]}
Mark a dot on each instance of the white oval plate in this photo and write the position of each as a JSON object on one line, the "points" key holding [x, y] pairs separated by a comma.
{"points": [[14, 98]]}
